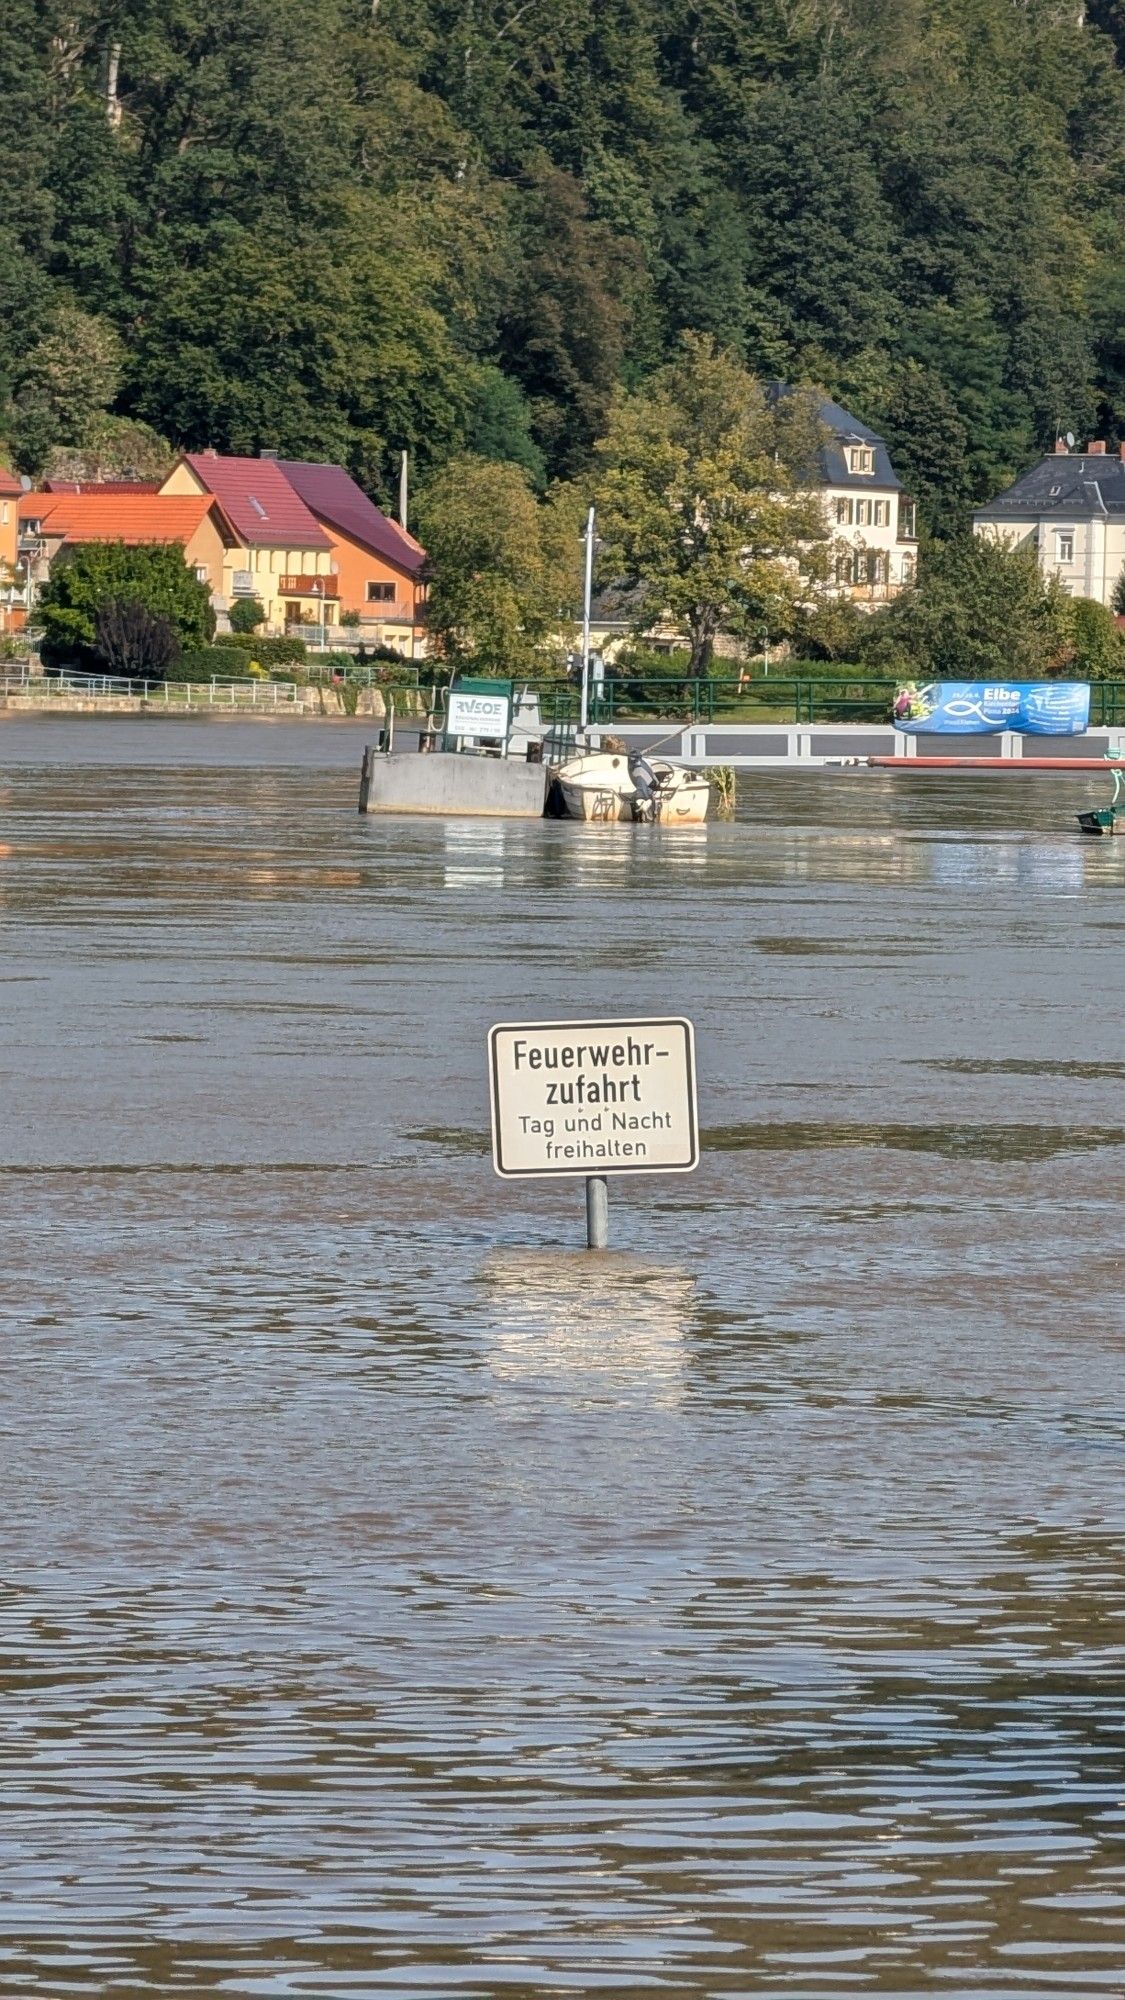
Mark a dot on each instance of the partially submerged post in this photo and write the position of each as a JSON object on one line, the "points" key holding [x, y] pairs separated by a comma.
{"points": [[587, 1099], [597, 1212]]}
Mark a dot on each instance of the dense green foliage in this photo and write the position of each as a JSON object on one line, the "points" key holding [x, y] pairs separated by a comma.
{"points": [[506, 568], [334, 228], [979, 611], [88, 580]]}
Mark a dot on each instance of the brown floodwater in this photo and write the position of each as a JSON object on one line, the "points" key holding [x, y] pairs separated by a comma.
{"points": [[394, 1599]]}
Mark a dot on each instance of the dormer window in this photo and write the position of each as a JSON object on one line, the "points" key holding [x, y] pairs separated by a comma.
{"points": [[861, 458]]}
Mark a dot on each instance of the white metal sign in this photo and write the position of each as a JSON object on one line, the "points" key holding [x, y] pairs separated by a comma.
{"points": [[593, 1097], [477, 715]]}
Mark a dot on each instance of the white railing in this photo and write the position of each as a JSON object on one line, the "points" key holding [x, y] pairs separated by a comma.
{"points": [[216, 693]]}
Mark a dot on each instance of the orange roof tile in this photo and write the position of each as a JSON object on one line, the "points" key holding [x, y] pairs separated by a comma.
{"points": [[118, 517], [9, 484]]}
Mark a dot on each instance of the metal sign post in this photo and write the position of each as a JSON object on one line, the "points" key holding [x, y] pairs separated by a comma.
{"points": [[587, 1099], [597, 1212], [584, 713]]}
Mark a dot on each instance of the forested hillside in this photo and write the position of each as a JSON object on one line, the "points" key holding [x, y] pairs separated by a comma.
{"points": [[335, 227]]}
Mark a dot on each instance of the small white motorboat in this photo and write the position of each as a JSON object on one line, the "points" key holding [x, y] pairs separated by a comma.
{"points": [[610, 787], [597, 786]]}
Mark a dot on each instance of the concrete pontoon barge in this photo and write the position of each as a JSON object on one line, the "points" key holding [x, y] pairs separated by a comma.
{"points": [[483, 758], [482, 787]]}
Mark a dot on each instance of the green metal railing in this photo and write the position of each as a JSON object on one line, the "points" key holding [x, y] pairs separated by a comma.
{"points": [[764, 700], [808, 701], [669, 698]]}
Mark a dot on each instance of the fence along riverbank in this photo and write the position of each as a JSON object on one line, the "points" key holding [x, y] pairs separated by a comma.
{"points": [[768, 723]]}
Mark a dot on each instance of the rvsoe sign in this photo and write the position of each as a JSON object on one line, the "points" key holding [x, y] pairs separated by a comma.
{"points": [[593, 1097], [477, 715]]}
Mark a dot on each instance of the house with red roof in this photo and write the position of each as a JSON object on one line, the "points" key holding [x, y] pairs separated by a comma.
{"points": [[378, 566], [281, 555], [53, 520], [302, 538]]}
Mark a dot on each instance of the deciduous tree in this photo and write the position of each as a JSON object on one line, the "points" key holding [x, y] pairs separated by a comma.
{"points": [[156, 576], [506, 566], [706, 498], [979, 611]]}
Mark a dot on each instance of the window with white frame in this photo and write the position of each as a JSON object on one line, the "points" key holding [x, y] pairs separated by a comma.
{"points": [[1064, 545], [844, 512], [861, 458], [907, 571], [880, 513], [863, 513]]}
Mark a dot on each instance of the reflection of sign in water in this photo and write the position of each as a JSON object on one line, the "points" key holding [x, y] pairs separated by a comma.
{"points": [[477, 715], [593, 1097], [984, 708], [569, 1320]]}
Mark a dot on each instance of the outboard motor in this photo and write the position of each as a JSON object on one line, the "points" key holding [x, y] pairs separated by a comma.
{"points": [[644, 802]]}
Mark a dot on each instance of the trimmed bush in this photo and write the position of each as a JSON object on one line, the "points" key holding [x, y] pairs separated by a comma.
{"points": [[269, 652], [391, 654], [246, 614]]}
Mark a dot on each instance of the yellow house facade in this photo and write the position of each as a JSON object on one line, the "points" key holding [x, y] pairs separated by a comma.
{"points": [[282, 555], [11, 613]]}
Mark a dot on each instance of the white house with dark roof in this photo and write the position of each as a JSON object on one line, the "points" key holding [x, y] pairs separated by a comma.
{"points": [[1070, 508], [872, 525]]}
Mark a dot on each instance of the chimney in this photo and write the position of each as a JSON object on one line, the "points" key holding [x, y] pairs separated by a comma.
{"points": [[1060, 447], [208, 452], [263, 453], [1097, 445]]}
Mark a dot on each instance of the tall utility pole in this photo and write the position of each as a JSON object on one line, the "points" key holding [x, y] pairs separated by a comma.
{"points": [[587, 594], [403, 489]]}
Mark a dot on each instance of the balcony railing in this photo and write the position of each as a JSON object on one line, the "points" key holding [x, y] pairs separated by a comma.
{"points": [[309, 586]]}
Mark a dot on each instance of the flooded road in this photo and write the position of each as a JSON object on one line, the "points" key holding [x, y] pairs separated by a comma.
{"points": [[394, 1599]]}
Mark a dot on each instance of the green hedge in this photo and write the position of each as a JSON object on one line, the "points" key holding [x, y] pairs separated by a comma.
{"points": [[267, 652]]}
